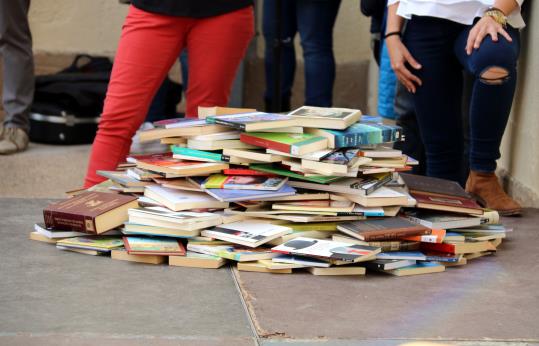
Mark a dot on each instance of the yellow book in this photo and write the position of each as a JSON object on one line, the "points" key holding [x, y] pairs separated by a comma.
{"points": [[196, 260], [40, 237], [350, 270], [122, 255], [260, 268]]}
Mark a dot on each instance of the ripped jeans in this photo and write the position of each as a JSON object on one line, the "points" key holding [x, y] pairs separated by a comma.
{"points": [[439, 46]]}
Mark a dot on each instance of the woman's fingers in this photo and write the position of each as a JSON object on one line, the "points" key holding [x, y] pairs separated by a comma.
{"points": [[505, 34]]}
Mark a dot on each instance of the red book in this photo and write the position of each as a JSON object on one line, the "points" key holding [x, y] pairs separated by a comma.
{"points": [[458, 248], [447, 203], [245, 171]]}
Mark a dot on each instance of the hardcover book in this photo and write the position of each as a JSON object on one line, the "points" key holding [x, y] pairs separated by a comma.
{"points": [[325, 117], [253, 121], [293, 143], [359, 134], [433, 186], [391, 228], [89, 212], [326, 249], [153, 246], [447, 203], [247, 233]]}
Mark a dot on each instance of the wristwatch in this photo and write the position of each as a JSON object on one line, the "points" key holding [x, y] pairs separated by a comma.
{"points": [[496, 14]]}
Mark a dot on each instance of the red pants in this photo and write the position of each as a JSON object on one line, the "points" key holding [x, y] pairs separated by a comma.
{"points": [[149, 45]]}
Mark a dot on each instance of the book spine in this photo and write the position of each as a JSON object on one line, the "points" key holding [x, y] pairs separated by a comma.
{"points": [[391, 235], [295, 149], [69, 222], [439, 247], [237, 126], [264, 143]]}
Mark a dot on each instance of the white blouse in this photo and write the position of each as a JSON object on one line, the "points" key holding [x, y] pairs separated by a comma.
{"points": [[460, 11]]}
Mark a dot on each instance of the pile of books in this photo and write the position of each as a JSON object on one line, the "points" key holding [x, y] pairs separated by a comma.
{"points": [[318, 190]]}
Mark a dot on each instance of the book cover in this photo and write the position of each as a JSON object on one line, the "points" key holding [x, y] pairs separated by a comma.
{"points": [[360, 134], [84, 212], [389, 264], [391, 228], [417, 269], [326, 249], [99, 243], [177, 200], [197, 260], [248, 233], [326, 117], [304, 261], [293, 143], [179, 122], [432, 219], [252, 121], [402, 255], [244, 182], [198, 155], [153, 246], [230, 195], [447, 203], [434, 186], [245, 171], [233, 252]]}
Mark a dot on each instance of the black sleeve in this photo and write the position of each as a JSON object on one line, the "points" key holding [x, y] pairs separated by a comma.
{"points": [[371, 8]]}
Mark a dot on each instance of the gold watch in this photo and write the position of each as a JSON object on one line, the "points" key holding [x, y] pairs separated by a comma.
{"points": [[498, 16]]}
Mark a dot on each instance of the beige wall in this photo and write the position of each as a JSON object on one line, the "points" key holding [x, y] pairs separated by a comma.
{"points": [[76, 26], [520, 149]]}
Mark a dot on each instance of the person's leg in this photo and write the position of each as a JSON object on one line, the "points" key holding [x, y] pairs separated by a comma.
{"points": [[437, 102], [216, 46], [288, 54], [18, 73], [315, 25], [493, 67], [149, 45]]}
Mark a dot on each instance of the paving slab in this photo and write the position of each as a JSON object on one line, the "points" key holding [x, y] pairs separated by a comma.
{"points": [[50, 297], [492, 298]]}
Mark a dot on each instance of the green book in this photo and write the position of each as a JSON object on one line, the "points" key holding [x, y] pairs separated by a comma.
{"points": [[293, 143], [268, 168], [198, 155]]}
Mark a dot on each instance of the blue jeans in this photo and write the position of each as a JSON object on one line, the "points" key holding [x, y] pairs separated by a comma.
{"points": [[438, 45], [314, 20]]}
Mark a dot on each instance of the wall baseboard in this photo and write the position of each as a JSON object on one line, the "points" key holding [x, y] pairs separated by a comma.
{"points": [[519, 191]]}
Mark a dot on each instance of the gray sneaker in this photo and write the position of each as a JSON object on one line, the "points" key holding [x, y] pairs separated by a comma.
{"points": [[13, 141]]}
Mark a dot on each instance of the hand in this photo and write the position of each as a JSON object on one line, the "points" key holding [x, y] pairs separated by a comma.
{"points": [[485, 26], [399, 56]]}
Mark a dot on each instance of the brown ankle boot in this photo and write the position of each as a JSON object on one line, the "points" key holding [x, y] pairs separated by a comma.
{"points": [[486, 188]]}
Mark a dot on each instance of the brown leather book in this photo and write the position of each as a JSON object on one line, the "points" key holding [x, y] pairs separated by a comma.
{"points": [[433, 186], [392, 228], [89, 212]]}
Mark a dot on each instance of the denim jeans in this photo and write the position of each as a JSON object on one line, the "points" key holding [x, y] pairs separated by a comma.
{"points": [[438, 45], [314, 20]]}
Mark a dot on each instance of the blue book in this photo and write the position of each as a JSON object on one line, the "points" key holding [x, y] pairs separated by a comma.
{"points": [[228, 195], [408, 255], [360, 134]]}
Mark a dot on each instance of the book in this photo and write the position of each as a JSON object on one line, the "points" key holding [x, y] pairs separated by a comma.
{"points": [[123, 255], [379, 152], [314, 208], [385, 246], [257, 155], [82, 251], [233, 252], [245, 171], [52, 233], [280, 170], [260, 268], [122, 177], [294, 143], [158, 133], [388, 264], [218, 144], [198, 155], [89, 212], [153, 246], [436, 236], [163, 217], [174, 167], [244, 182], [439, 220], [325, 117], [341, 270], [179, 184], [335, 252], [433, 186], [204, 112], [98, 243], [141, 174], [359, 186], [247, 233], [442, 257], [253, 121], [400, 255], [300, 196], [134, 228], [339, 161], [381, 197], [40, 237], [179, 122], [218, 136], [359, 134], [178, 200], [417, 269], [391, 228], [458, 248], [197, 260], [229, 195], [447, 203], [270, 264], [301, 261]]}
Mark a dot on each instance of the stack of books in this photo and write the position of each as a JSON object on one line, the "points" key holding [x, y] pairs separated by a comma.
{"points": [[318, 190]]}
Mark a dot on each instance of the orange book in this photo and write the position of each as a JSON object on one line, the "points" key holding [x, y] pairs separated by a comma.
{"points": [[437, 236]]}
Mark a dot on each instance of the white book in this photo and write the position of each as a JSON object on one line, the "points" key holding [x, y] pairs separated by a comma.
{"points": [[308, 262], [247, 233], [177, 200]]}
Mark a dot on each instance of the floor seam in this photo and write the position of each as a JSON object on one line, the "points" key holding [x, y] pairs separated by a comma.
{"points": [[244, 305]]}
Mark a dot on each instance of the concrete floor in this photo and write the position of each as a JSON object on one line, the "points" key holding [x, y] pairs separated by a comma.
{"points": [[49, 297]]}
